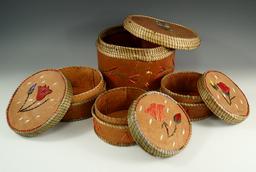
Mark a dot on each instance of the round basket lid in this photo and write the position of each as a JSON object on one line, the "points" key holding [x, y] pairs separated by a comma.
{"points": [[161, 32], [158, 124], [223, 97], [39, 103]]}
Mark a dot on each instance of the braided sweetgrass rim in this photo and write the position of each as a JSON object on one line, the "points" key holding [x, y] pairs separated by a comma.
{"points": [[113, 120], [120, 127], [214, 106], [171, 93], [142, 140], [159, 38], [130, 53], [56, 118], [192, 105]]}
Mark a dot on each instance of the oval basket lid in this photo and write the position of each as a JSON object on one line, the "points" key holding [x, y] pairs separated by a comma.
{"points": [[39, 103], [161, 32], [159, 124], [223, 97]]}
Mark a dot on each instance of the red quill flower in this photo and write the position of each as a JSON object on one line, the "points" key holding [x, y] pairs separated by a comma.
{"points": [[177, 118], [156, 111], [224, 88], [42, 92]]}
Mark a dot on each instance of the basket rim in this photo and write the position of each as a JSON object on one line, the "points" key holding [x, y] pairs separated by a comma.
{"points": [[130, 53]]}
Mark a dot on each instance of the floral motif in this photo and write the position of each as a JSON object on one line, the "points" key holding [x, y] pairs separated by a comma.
{"points": [[32, 88], [224, 90], [177, 118], [42, 92], [115, 74], [163, 70], [112, 73], [156, 111], [133, 78]]}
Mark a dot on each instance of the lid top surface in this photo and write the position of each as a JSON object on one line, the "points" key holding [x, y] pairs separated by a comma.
{"points": [[36, 100], [226, 93], [161, 32], [162, 122], [163, 27]]}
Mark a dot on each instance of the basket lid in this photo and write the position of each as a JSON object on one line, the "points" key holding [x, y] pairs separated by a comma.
{"points": [[223, 97], [161, 32], [39, 103], [159, 124]]}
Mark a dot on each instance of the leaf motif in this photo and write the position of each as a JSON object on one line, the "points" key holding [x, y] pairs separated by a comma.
{"points": [[214, 86]]}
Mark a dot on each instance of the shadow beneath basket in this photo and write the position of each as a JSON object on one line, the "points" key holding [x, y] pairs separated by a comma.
{"points": [[136, 155], [201, 132], [212, 121], [133, 153], [65, 130]]}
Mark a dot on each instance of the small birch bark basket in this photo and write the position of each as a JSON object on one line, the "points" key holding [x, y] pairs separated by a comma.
{"points": [[126, 60], [87, 83], [182, 86], [110, 115]]}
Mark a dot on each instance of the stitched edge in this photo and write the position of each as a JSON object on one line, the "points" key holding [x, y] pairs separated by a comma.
{"points": [[216, 108], [129, 53], [59, 114], [141, 139], [159, 38]]}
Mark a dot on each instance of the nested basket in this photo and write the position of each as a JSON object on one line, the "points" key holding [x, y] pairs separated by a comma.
{"points": [[126, 60], [87, 84], [182, 86], [110, 115]]}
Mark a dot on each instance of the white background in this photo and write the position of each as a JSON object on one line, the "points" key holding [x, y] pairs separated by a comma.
{"points": [[42, 35]]}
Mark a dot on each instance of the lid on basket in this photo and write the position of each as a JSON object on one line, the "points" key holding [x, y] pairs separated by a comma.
{"points": [[161, 32], [39, 103], [158, 124], [223, 97]]}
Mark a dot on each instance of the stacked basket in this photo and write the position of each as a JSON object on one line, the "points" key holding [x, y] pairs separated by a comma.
{"points": [[133, 59]]}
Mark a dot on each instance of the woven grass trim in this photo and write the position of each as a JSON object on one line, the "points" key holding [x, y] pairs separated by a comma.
{"points": [[159, 38], [216, 108], [129, 53]]}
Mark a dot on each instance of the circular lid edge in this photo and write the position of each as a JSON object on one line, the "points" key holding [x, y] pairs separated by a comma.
{"points": [[56, 118], [159, 38], [141, 140], [214, 106]]}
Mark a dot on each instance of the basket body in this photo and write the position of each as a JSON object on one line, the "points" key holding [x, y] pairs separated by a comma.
{"points": [[125, 60]]}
